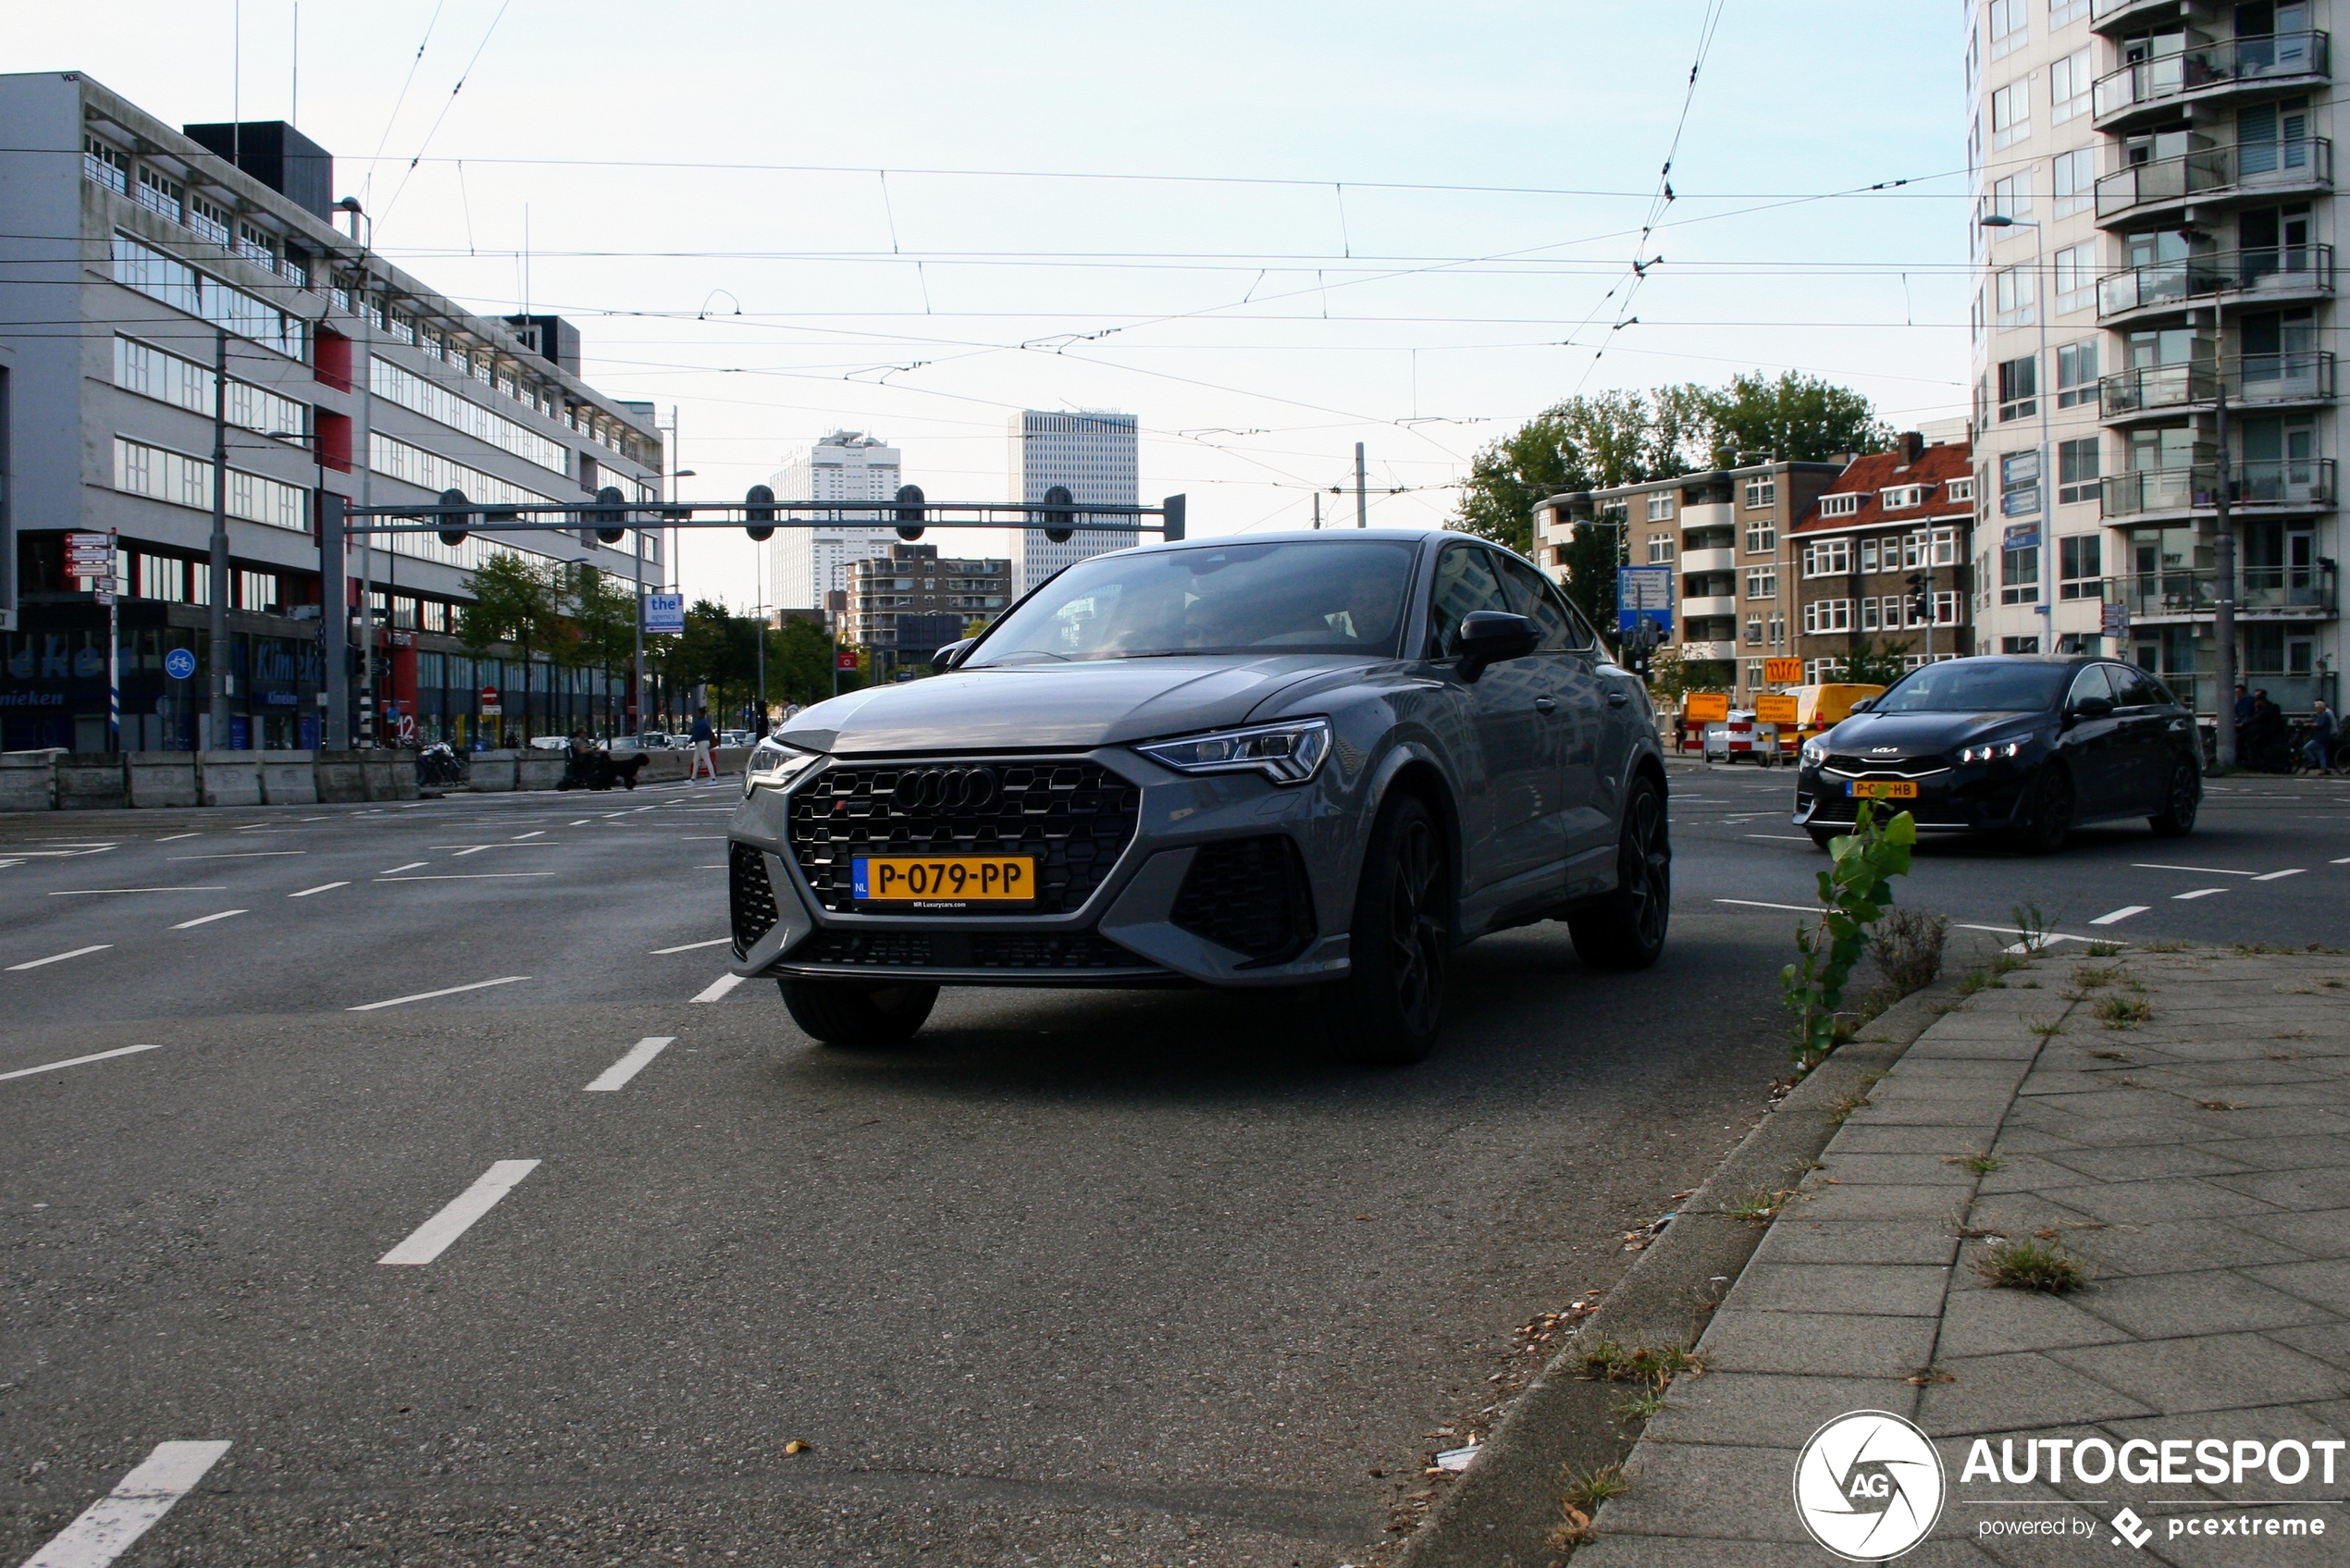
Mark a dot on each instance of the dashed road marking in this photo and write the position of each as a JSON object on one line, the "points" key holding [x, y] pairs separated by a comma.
{"points": [[2115, 916], [109, 1526], [717, 989], [88, 892], [173, 837], [630, 1065], [2205, 870], [77, 1061], [61, 958], [409, 867], [690, 946], [322, 887], [435, 1235], [239, 855], [1758, 904], [465, 876], [428, 995], [2278, 876], [532, 833], [207, 920], [2199, 893]]}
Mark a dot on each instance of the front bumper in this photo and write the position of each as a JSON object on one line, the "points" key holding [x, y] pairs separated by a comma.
{"points": [[1137, 926], [1978, 797]]}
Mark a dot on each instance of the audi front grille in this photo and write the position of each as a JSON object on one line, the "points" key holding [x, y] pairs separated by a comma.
{"points": [[1073, 816]]}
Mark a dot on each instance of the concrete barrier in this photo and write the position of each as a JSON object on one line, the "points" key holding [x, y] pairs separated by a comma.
{"points": [[491, 771], [392, 775], [538, 769], [159, 778], [290, 778], [230, 778], [92, 781], [28, 780], [661, 767], [341, 777]]}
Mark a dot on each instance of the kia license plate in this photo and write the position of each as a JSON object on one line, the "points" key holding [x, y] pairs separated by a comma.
{"points": [[945, 882], [1884, 789]]}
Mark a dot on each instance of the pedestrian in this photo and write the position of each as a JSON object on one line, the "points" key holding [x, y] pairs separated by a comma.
{"points": [[2324, 730], [2244, 706], [703, 738]]}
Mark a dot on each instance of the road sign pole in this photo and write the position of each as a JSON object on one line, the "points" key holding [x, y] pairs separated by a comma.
{"points": [[114, 658]]}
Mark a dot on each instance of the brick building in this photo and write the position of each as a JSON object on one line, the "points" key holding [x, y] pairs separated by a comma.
{"points": [[1889, 517]]}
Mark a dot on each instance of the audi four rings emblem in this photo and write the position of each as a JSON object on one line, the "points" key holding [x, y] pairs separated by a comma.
{"points": [[950, 789]]}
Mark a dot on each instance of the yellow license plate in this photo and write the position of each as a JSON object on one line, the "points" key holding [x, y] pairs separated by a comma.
{"points": [[945, 881], [1885, 789]]}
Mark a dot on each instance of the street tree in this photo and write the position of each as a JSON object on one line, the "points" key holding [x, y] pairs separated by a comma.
{"points": [[1797, 418], [517, 601]]}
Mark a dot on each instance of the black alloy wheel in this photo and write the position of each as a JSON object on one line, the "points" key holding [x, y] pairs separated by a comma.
{"points": [[2179, 801], [1821, 837], [858, 1015], [1626, 930], [2046, 818], [1389, 1008]]}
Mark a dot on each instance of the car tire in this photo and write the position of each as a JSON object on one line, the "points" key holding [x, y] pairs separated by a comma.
{"points": [[2044, 819], [1821, 837], [1626, 930], [1388, 1009], [2180, 800], [858, 1015]]}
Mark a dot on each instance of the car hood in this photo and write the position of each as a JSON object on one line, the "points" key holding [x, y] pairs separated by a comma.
{"points": [[1913, 733], [1032, 706]]}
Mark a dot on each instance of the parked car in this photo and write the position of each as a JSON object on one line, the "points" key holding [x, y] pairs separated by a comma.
{"points": [[1291, 761], [644, 740], [734, 738], [2028, 747], [549, 743]]}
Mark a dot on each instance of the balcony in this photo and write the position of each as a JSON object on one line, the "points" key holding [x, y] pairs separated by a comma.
{"points": [[1697, 650], [2252, 381], [1711, 605], [2278, 272], [2161, 87], [2117, 15], [1718, 558], [2150, 191], [2288, 484], [2264, 592]]}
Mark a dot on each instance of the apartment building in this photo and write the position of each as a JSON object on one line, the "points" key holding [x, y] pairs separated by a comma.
{"points": [[913, 603], [1093, 455], [2154, 320], [1881, 559], [1723, 535], [806, 565], [140, 260]]}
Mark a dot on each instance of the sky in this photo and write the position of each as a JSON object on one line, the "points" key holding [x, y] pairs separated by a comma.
{"points": [[1268, 231]]}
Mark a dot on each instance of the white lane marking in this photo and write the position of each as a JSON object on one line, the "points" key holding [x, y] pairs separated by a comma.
{"points": [[1782, 837], [434, 1236], [77, 1061], [1757, 904], [2206, 870], [2115, 916], [469, 849], [2344, 861], [465, 876], [629, 1066], [717, 988], [582, 823], [171, 837], [109, 1526], [409, 867], [2276, 876], [713, 866], [690, 946], [2200, 892], [702, 838], [239, 855], [207, 920], [322, 887], [2045, 937], [532, 833], [428, 995], [61, 958], [86, 892]]}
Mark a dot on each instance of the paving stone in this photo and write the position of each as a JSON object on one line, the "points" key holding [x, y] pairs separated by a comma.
{"points": [[2172, 1197], [1851, 1168], [2310, 1187], [1760, 1409], [1881, 1200], [2162, 1306], [2329, 1342], [2326, 1283], [1938, 1141], [1997, 1393], [1795, 1239], [1816, 1344], [2321, 1233], [2208, 1372], [2148, 1162], [2025, 1173], [1992, 1322], [1611, 1550], [2183, 1247], [1710, 1489], [1893, 1290]]}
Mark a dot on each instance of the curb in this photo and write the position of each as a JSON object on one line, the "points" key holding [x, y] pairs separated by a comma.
{"points": [[1501, 1511]]}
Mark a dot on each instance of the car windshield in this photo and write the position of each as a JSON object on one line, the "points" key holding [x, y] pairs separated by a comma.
{"points": [[1339, 596], [1977, 685]]}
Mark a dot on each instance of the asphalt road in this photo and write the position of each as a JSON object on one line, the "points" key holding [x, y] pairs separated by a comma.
{"points": [[1088, 1277]]}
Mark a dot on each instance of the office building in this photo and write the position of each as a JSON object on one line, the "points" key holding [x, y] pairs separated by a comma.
{"points": [[137, 258], [1880, 561], [1091, 454], [806, 564], [912, 603], [2153, 239]]}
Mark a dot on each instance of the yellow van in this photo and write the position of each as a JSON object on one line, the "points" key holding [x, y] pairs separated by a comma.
{"points": [[1820, 709]]}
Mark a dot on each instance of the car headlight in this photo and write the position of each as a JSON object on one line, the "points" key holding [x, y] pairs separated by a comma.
{"points": [[1815, 751], [772, 765], [1286, 753], [2002, 749]]}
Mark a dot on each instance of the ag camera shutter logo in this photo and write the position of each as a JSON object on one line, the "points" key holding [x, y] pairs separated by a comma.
{"points": [[1869, 1486]]}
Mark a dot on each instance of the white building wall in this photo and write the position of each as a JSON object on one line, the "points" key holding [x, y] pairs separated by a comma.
{"points": [[1093, 453], [806, 563]]}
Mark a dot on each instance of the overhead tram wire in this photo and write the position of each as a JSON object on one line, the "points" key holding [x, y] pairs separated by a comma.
{"points": [[463, 77], [367, 181]]}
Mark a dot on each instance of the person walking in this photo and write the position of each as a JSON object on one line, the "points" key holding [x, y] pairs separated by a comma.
{"points": [[703, 737], [2324, 731]]}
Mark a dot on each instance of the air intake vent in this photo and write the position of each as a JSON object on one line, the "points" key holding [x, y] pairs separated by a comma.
{"points": [[750, 897], [1249, 894]]}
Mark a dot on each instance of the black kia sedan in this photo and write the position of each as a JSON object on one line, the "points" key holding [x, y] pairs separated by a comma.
{"points": [[2028, 748]]}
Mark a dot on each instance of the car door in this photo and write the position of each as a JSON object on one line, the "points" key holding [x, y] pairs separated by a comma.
{"points": [[1522, 836], [2149, 743], [2093, 747], [1573, 704]]}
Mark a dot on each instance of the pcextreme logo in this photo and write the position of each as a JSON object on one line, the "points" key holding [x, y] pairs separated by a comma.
{"points": [[1868, 1486]]}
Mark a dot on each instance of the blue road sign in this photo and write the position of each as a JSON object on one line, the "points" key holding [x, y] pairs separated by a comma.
{"points": [[180, 663], [664, 612], [1644, 593]]}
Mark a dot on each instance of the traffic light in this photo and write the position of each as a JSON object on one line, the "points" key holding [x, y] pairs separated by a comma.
{"points": [[608, 527], [909, 513], [759, 512], [1059, 507], [1921, 596], [454, 529]]}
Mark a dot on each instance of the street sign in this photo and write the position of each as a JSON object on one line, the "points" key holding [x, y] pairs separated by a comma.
{"points": [[2020, 536], [1706, 706], [1783, 672], [664, 614], [2113, 621], [1776, 707], [1644, 593], [180, 663], [845, 659], [492, 705]]}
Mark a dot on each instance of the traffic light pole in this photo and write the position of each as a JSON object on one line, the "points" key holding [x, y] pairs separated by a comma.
{"points": [[334, 621]]}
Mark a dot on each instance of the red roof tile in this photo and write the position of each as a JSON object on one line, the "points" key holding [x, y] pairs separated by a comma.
{"points": [[1881, 471]]}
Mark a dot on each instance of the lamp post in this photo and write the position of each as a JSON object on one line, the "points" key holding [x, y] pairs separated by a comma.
{"points": [[2041, 369], [364, 458]]}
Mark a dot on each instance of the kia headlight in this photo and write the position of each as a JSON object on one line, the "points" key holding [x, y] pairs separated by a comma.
{"points": [[773, 765], [1815, 751], [1287, 753], [1999, 752]]}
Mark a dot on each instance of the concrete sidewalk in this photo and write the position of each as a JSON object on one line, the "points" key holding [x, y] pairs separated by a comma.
{"points": [[2179, 1122]]}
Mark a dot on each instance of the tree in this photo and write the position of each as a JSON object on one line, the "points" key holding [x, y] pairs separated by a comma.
{"points": [[799, 662], [517, 599], [1797, 418], [1867, 664]]}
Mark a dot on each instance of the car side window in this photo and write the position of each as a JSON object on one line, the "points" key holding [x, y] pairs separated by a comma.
{"points": [[1464, 583], [2135, 688], [1539, 601], [2089, 683]]}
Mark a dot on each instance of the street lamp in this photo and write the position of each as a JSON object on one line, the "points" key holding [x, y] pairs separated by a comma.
{"points": [[367, 467], [2042, 369]]}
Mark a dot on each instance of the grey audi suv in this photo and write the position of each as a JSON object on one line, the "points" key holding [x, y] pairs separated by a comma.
{"points": [[1284, 761]]}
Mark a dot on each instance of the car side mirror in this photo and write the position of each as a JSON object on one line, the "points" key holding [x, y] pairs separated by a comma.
{"points": [[1494, 637], [1863, 706], [950, 655], [2093, 708]]}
